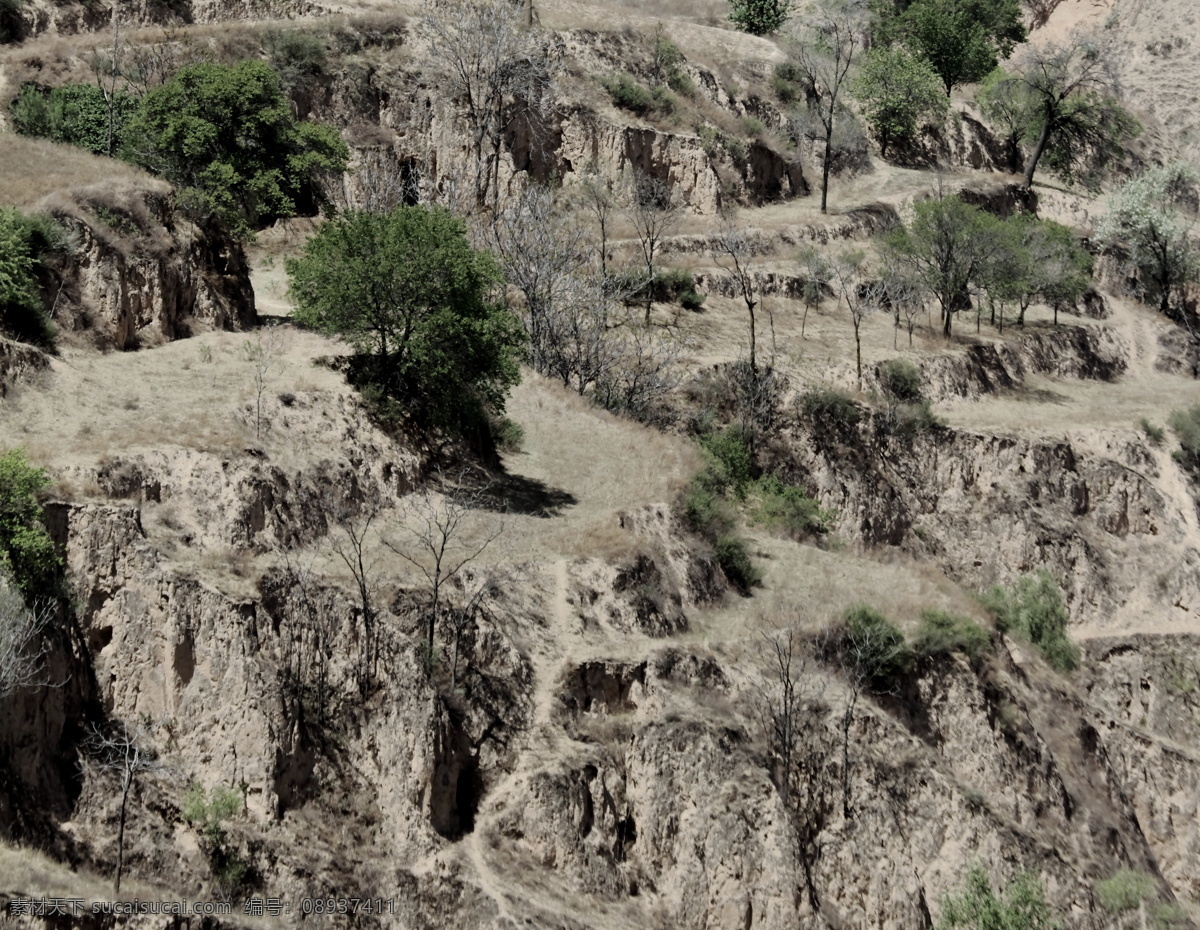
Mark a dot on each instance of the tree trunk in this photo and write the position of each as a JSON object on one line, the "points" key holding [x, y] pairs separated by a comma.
{"points": [[946, 316], [858, 355], [825, 167], [121, 835], [1043, 138], [753, 338]]}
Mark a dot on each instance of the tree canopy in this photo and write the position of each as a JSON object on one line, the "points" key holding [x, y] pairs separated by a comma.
{"points": [[226, 135], [415, 300], [26, 549], [759, 17], [897, 91]]}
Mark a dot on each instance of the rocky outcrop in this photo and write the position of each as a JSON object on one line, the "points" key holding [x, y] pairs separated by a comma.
{"points": [[19, 364], [67, 17], [141, 272]]}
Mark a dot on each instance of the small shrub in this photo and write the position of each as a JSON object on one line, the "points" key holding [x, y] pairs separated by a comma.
{"points": [[669, 60], [976, 906], [1033, 609], [900, 380], [759, 17], [674, 285], [789, 508], [911, 419], [753, 126], [1125, 890], [26, 550], [706, 512], [729, 462], [1186, 424], [1156, 434], [627, 94], [831, 407], [875, 647], [207, 813], [509, 435], [941, 633], [739, 568], [75, 114]]}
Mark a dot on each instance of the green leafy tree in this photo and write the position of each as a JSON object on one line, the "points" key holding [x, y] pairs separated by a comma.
{"points": [[26, 549], [76, 114], [1033, 608], [759, 17], [415, 301], [976, 906], [1005, 102], [1061, 99], [897, 91], [1151, 219], [24, 242], [961, 39], [226, 135], [944, 250]]}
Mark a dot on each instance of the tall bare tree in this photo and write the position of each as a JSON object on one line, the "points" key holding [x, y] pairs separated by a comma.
{"points": [[654, 211], [438, 539], [862, 294], [354, 540], [825, 51], [126, 750], [732, 250], [500, 70], [22, 639], [601, 198]]}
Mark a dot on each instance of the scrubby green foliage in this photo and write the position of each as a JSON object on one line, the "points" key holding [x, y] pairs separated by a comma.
{"points": [[1125, 890], [706, 511], [26, 549], [759, 17], [208, 813], [674, 285], [1033, 608], [668, 61], [734, 558], [898, 92], [627, 94], [830, 407], [900, 380], [789, 508], [227, 137], [787, 80], [875, 648], [298, 57], [941, 633], [729, 462], [75, 114], [1156, 434], [417, 302], [1020, 906], [22, 315], [1186, 424]]}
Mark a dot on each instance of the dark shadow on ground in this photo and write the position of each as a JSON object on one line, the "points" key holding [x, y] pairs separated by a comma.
{"points": [[507, 493]]}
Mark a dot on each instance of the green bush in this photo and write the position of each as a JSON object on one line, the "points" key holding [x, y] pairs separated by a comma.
{"points": [[977, 907], [1186, 424], [875, 648], [729, 462], [735, 561], [207, 813], [26, 549], [759, 17], [914, 418], [508, 435], [1125, 891], [75, 114], [627, 94], [1156, 434], [900, 380], [1033, 609], [941, 633], [24, 242], [831, 407], [227, 137], [298, 57], [753, 126], [674, 285], [789, 508], [706, 512], [669, 59]]}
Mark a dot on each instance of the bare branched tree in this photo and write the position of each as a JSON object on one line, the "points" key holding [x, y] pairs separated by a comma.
{"points": [[126, 750], [498, 68], [654, 211], [640, 367], [818, 278], [825, 51], [23, 643], [263, 352], [379, 180], [354, 541], [862, 294], [733, 251], [309, 634], [439, 540], [601, 197]]}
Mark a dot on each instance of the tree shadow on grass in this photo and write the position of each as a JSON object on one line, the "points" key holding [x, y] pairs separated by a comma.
{"points": [[507, 493]]}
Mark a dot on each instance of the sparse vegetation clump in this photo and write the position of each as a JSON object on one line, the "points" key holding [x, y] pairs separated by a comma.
{"points": [[941, 634], [416, 301], [1186, 424], [900, 380], [24, 242], [828, 406], [208, 812], [789, 508], [27, 553], [627, 94], [875, 649], [1033, 609], [75, 114], [675, 285], [1156, 434], [976, 906]]}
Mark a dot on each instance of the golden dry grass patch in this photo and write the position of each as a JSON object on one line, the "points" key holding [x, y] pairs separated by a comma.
{"points": [[30, 169]]}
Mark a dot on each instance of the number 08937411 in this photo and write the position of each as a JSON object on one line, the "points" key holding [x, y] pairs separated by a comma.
{"points": [[335, 905]]}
